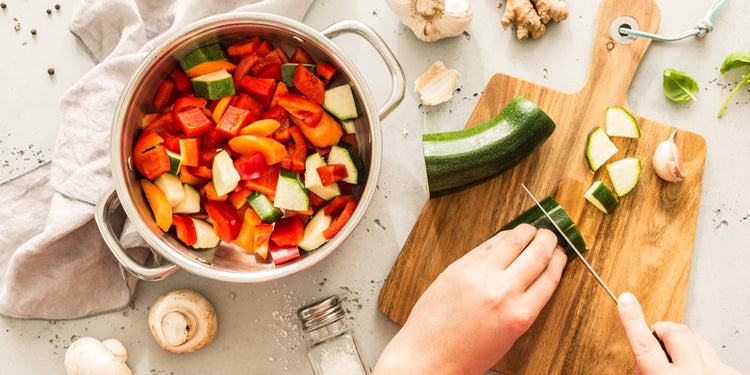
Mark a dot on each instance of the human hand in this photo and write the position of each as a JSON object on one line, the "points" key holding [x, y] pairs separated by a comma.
{"points": [[478, 307], [691, 354]]}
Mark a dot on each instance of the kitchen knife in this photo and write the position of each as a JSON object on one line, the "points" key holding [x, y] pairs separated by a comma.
{"points": [[588, 266]]}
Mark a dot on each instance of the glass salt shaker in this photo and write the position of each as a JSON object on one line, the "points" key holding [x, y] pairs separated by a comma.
{"points": [[331, 346]]}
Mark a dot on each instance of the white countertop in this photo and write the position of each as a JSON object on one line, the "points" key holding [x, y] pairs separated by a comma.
{"points": [[258, 329]]}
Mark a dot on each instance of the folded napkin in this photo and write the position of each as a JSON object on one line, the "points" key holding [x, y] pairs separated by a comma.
{"points": [[53, 261]]}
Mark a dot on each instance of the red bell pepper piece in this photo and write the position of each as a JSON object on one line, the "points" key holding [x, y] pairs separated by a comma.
{"points": [[309, 84], [193, 121], [262, 236], [315, 200], [288, 231], [212, 139], [244, 47], [186, 102], [265, 184], [301, 56], [352, 140], [150, 155], [164, 94], [251, 167], [245, 101], [302, 108], [171, 141], [261, 89], [296, 151], [207, 155], [243, 68], [181, 80], [346, 188], [163, 123], [190, 152], [339, 221], [332, 173], [283, 254], [226, 222], [264, 49], [233, 120], [185, 228], [325, 70], [279, 114], [268, 59], [272, 71], [337, 204]]}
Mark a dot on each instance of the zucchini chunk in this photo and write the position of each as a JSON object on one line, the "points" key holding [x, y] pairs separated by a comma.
{"points": [[535, 217]]}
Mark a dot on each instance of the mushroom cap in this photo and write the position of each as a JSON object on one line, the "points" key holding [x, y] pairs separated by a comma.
{"points": [[89, 356], [182, 321]]}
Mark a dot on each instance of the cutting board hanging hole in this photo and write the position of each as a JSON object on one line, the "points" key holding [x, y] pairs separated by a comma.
{"points": [[625, 22]]}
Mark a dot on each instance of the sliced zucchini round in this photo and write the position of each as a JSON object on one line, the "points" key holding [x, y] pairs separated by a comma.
{"points": [[620, 123], [624, 174], [599, 148]]}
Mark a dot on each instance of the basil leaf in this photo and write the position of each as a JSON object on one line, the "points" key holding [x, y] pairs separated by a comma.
{"points": [[679, 87], [734, 60]]}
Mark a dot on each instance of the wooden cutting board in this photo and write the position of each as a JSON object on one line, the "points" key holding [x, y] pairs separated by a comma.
{"points": [[644, 247]]}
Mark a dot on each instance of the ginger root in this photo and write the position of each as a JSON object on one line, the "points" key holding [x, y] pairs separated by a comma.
{"points": [[531, 16]]}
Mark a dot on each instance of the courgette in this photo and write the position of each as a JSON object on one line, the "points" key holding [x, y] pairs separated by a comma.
{"points": [[600, 196], [535, 217], [457, 159]]}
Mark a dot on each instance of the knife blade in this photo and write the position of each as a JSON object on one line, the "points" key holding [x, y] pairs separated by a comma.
{"points": [[588, 266]]}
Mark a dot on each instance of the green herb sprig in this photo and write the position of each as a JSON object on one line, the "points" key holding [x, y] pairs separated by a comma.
{"points": [[734, 60]]}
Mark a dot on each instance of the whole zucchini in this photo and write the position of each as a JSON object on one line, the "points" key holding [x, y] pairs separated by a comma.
{"points": [[535, 217], [457, 159]]}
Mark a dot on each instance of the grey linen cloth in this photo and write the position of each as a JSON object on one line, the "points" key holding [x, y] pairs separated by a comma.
{"points": [[53, 261]]}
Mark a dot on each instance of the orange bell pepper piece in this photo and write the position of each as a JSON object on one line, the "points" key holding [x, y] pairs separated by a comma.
{"points": [[159, 204], [210, 67], [150, 156], [328, 132], [211, 193], [262, 128], [262, 236], [246, 238], [221, 107], [273, 151]]}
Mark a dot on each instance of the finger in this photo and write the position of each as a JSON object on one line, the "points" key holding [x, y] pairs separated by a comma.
{"points": [[503, 248], [680, 343], [534, 259], [708, 353], [646, 348], [540, 291]]}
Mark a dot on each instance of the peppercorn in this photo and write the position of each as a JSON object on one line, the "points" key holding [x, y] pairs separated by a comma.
{"points": [[3, 5], [49, 11], [33, 31], [51, 71], [57, 6]]}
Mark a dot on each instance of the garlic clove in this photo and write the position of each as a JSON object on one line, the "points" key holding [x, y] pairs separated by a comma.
{"points": [[436, 85], [432, 20], [667, 161]]}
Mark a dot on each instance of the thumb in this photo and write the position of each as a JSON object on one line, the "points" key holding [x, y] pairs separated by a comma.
{"points": [[646, 349]]}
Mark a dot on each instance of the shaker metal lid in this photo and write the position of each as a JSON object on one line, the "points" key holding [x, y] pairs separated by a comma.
{"points": [[321, 313]]}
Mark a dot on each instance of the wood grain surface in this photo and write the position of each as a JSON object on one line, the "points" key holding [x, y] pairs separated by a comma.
{"points": [[644, 247]]}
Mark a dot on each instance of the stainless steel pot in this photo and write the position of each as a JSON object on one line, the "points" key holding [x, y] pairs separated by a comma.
{"points": [[227, 262]]}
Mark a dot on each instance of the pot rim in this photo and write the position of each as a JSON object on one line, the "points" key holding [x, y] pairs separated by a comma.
{"points": [[195, 266]]}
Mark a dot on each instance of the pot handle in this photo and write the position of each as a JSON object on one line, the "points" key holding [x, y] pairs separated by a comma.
{"points": [[104, 207], [398, 79]]}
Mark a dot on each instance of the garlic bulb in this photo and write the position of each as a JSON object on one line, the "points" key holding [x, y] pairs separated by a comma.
{"points": [[436, 85], [432, 20], [667, 161]]}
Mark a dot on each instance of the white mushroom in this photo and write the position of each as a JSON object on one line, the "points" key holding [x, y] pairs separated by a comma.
{"points": [[436, 85], [431, 20], [89, 356], [182, 321]]}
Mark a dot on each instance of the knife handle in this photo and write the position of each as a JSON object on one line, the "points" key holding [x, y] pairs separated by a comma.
{"points": [[661, 343]]}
